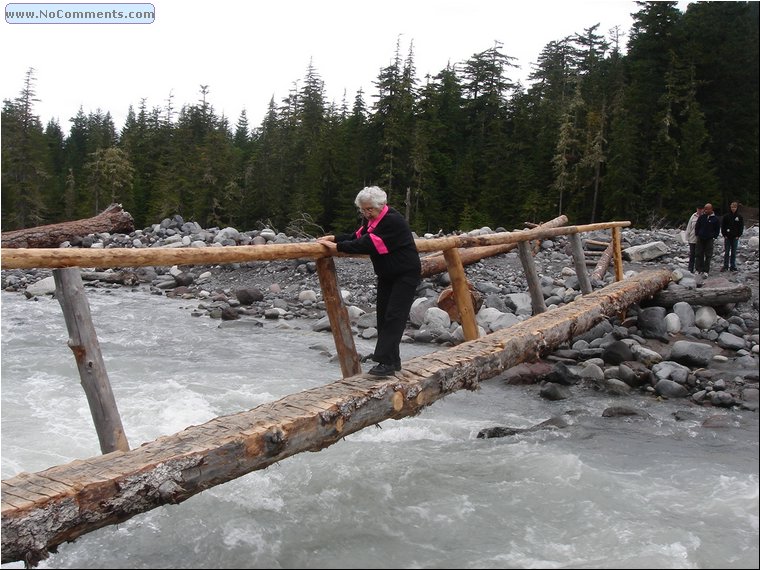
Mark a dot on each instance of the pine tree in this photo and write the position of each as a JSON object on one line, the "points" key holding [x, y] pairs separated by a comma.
{"points": [[24, 160]]}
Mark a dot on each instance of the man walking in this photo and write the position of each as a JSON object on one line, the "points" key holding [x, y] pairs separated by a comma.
{"points": [[707, 229]]}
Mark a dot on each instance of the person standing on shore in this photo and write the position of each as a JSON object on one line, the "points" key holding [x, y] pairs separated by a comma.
{"points": [[384, 235], [707, 229], [732, 227], [691, 236]]}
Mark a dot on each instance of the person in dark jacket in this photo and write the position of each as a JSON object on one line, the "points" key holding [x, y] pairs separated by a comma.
{"points": [[732, 227], [385, 235], [707, 229]]}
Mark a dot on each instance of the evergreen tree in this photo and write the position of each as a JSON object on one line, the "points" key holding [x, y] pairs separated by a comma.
{"points": [[24, 160], [109, 178], [721, 42]]}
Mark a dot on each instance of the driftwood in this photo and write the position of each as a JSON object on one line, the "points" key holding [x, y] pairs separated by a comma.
{"points": [[596, 245], [123, 277], [111, 220], [604, 262], [707, 296], [42, 510]]}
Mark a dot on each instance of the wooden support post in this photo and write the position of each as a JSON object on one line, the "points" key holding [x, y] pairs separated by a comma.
{"points": [[618, 251], [340, 324], [534, 285], [579, 260], [83, 342], [461, 294]]}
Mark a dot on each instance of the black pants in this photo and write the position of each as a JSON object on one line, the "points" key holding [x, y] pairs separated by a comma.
{"points": [[692, 256], [704, 255], [395, 296]]}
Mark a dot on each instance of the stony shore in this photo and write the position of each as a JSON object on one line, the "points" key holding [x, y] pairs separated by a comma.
{"points": [[656, 351]]}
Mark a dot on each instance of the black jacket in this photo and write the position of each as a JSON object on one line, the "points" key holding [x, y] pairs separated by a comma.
{"points": [[708, 227], [390, 245], [732, 225]]}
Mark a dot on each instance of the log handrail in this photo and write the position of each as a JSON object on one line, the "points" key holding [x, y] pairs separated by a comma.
{"points": [[53, 258]]}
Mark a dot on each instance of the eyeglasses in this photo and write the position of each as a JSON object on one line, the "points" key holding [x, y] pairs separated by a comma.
{"points": [[366, 210]]}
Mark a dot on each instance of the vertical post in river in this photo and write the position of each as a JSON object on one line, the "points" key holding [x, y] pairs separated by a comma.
{"points": [[461, 292], [531, 275], [617, 248], [83, 342], [340, 324], [579, 260]]}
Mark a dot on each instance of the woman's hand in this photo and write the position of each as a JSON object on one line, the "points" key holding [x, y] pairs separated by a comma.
{"points": [[328, 242]]}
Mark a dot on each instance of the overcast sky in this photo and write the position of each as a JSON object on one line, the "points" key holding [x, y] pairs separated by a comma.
{"points": [[248, 52]]}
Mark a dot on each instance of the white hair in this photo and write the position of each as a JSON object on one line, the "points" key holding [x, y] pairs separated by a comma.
{"points": [[373, 195]]}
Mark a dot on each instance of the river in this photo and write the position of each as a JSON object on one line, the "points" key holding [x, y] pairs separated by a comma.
{"points": [[421, 492]]}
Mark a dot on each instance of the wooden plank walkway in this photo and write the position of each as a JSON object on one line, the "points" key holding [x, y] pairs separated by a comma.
{"points": [[42, 510]]}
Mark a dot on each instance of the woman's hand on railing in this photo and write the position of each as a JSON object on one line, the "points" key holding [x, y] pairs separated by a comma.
{"points": [[329, 242]]}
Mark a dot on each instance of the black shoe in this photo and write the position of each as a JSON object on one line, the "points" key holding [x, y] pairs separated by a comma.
{"points": [[734, 269], [382, 370]]}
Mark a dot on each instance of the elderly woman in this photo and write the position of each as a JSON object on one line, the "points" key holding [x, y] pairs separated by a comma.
{"points": [[384, 235]]}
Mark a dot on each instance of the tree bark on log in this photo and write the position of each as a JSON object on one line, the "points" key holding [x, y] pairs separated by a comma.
{"points": [[42, 510], [112, 220], [706, 296], [602, 264]]}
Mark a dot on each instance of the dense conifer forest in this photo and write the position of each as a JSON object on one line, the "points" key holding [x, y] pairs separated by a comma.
{"points": [[604, 131]]}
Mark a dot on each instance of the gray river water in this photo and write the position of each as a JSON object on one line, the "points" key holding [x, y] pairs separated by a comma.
{"points": [[421, 492]]}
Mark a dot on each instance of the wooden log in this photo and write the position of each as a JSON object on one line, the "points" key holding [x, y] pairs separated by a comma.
{"points": [[531, 275], [579, 261], [594, 244], [433, 264], [706, 296], [603, 264], [462, 296], [111, 220], [40, 511], [139, 257], [617, 252], [83, 342], [447, 302], [340, 324], [124, 277]]}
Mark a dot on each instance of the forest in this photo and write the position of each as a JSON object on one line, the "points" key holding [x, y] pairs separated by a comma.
{"points": [[604, 130]]}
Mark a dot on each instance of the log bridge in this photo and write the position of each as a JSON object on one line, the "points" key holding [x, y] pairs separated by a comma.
{"points": [[42, 510]]}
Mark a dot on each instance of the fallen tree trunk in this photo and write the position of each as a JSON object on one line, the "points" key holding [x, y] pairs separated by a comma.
{"points": [[124, 277], [111, 220], [42, 510], [604, 262], [436, 263], [706, 296]]}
